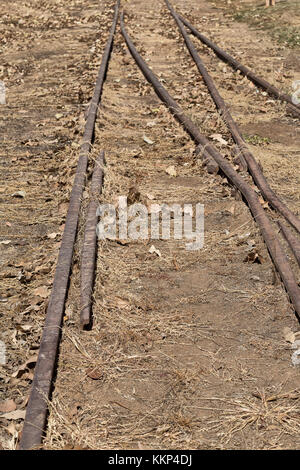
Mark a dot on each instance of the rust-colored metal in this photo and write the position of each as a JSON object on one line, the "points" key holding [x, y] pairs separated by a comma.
{"points": [[37, 408], [89, 249], [258, 81], [275, 249], [253, 166], [292, 240], [210, 164]]}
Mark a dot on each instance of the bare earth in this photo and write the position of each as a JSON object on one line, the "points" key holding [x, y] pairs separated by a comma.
{"points": [[187, 349]]}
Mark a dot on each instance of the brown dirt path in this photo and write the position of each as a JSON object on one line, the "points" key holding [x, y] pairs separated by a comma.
{"points": [[187, 348]]}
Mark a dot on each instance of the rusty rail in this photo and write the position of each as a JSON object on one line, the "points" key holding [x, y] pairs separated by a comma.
{"points": [[275, 249], [258, 81], [253, 166], [37, 408], [293, 242], [88, 256]]}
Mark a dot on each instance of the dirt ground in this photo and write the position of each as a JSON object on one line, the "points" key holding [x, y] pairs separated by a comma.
{"points": [[189, 349]]}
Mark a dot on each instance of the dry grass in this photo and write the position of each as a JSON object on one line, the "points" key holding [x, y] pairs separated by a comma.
{"points": [[278, 414], [170, 332]]}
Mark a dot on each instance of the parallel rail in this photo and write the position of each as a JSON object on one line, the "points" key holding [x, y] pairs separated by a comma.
{"points": [[37, 408], [294, 109], [272, 242]]}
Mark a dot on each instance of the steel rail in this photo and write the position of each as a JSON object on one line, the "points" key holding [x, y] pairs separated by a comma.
{"points": [[253, 166], [37, 408], [275, 249], [260, 82], [89, 249], [293, 242]]}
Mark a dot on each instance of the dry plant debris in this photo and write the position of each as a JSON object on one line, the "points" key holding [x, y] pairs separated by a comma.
{"points": [[189, 350]]}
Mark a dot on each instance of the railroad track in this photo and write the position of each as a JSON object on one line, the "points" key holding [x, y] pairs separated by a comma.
{"points": [[41, 388], [241, 178]]}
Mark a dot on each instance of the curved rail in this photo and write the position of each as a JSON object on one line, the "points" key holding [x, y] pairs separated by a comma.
{"points": [[275, 249], [260, 82], [293, 242], [253, 166]]}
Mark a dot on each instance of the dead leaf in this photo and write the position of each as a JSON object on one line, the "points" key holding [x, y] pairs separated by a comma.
{"points": [[122, 242], [96, 373], [7, 406], [175, 264], [43, 269], [74, 410], [5, 242], [254, 257], [151, 123], [52, 235], [171, 171], [296, 344], [154, 250], [19, 194], [24, 368], [289, 336], [232, 210], [29, 375], [24, 402], [147, 140], [244, 236], [17, 414], [123, 304], [41, 292], [219, 139], [264, 203], [11, 429], [133, 195]]}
